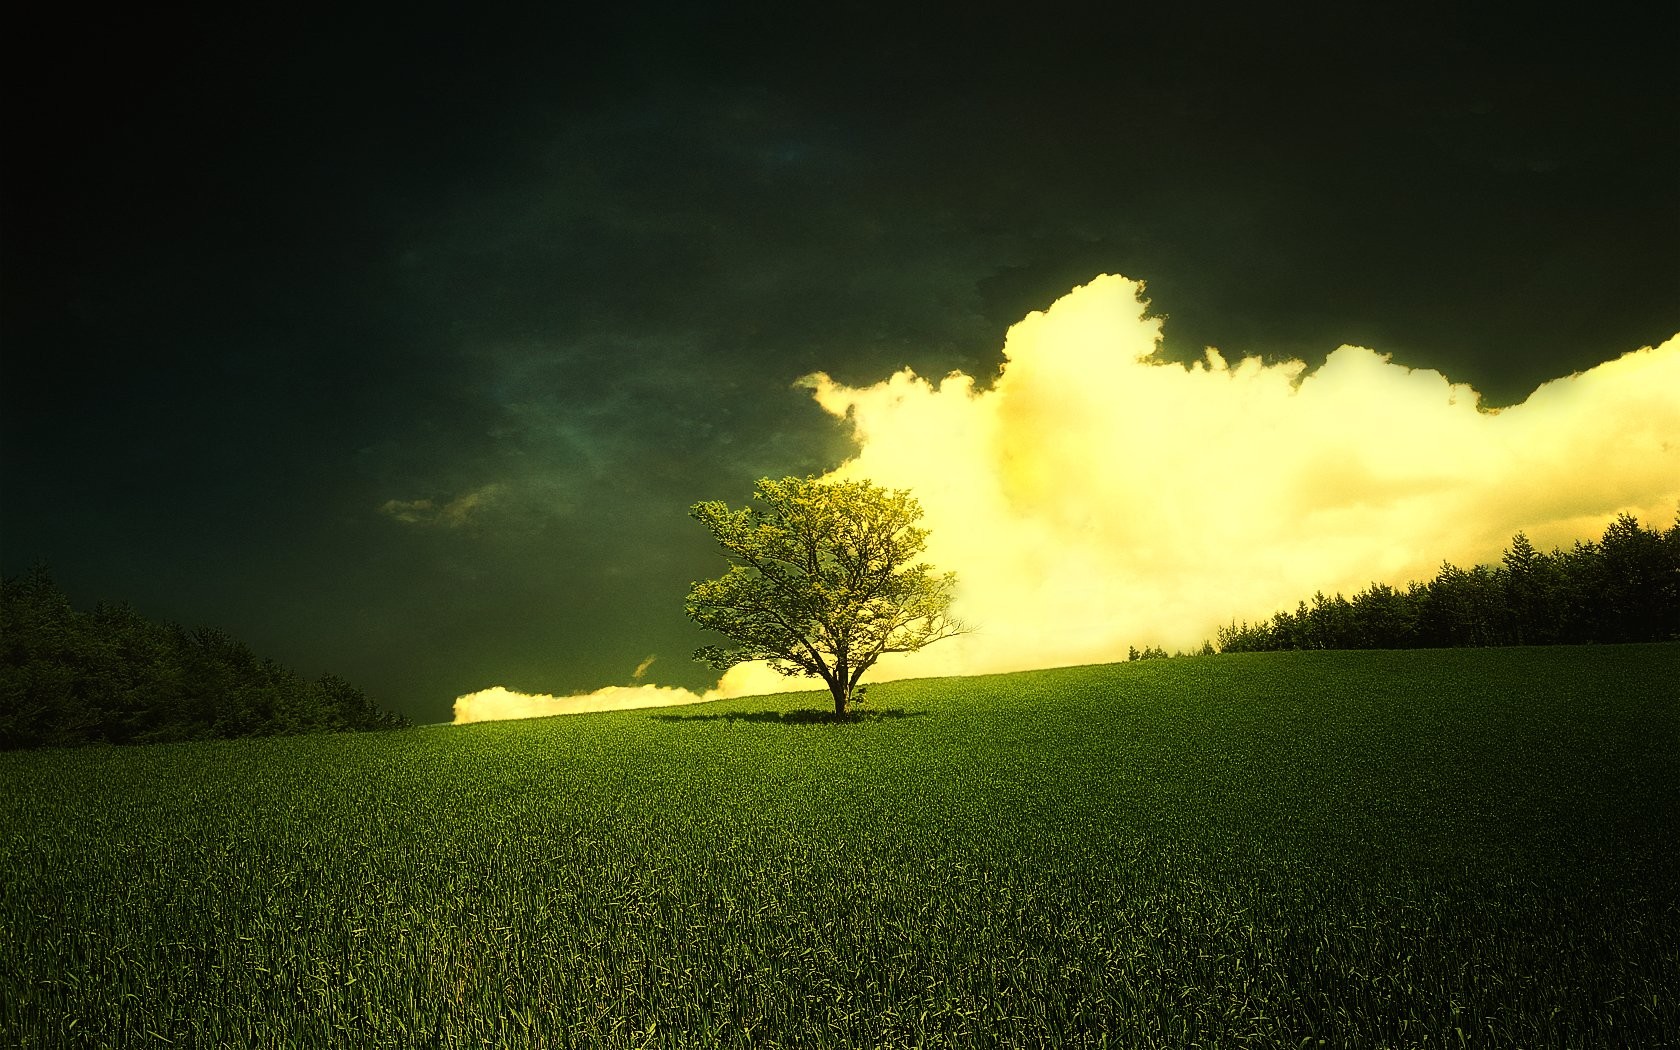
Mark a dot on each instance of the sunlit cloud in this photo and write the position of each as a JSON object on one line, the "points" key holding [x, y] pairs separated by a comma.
{"points": [[1097, 497], [499, 702]]}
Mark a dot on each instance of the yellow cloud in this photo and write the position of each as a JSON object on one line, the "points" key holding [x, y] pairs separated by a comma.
{"points": [[498, 702], [1098, 497]]}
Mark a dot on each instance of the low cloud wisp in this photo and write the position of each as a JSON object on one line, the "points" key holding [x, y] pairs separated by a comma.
{"points": [[451, 514], [498, 702]]}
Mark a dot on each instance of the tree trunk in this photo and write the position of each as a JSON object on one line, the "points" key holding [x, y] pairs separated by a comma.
{"points": [[842, 699]]}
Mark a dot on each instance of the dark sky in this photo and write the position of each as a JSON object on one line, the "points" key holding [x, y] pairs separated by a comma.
{"points": [[397, 342]]}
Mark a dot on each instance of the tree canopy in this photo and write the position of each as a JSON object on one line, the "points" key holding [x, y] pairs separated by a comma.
{"points": [[823, 581], [1623, 588], [113, 676]]}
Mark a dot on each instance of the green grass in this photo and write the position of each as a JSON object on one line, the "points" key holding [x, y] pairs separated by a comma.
{"points": [[1402, 849]]}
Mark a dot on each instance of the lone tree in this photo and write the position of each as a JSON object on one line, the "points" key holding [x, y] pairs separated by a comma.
{"points": [[821, 582]]}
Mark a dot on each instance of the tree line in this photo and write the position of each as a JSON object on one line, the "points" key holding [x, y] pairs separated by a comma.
{"points": [[110, 675], [1625, 587]]}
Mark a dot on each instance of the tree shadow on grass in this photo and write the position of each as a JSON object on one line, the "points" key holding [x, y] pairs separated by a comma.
{"points": [[802, 717]]}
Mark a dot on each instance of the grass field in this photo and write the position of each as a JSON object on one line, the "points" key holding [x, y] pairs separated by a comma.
{"points": [[1408, 849]]}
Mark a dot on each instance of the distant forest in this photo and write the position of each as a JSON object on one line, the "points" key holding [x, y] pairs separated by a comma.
{"points": [[69, 678], [1623, 588]]}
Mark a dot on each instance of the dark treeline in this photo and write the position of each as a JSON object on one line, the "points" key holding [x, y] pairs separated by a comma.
{"points": [[1623, 588], [111, 675]]}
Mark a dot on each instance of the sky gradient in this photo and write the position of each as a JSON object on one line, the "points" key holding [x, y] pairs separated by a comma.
{"points": [[399, 344]]}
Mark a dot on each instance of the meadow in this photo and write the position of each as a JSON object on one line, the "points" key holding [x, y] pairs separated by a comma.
{"points": [[1406, 849]]}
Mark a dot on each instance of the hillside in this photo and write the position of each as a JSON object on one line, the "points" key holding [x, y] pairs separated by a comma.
{"points": [[1367, 848]]}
